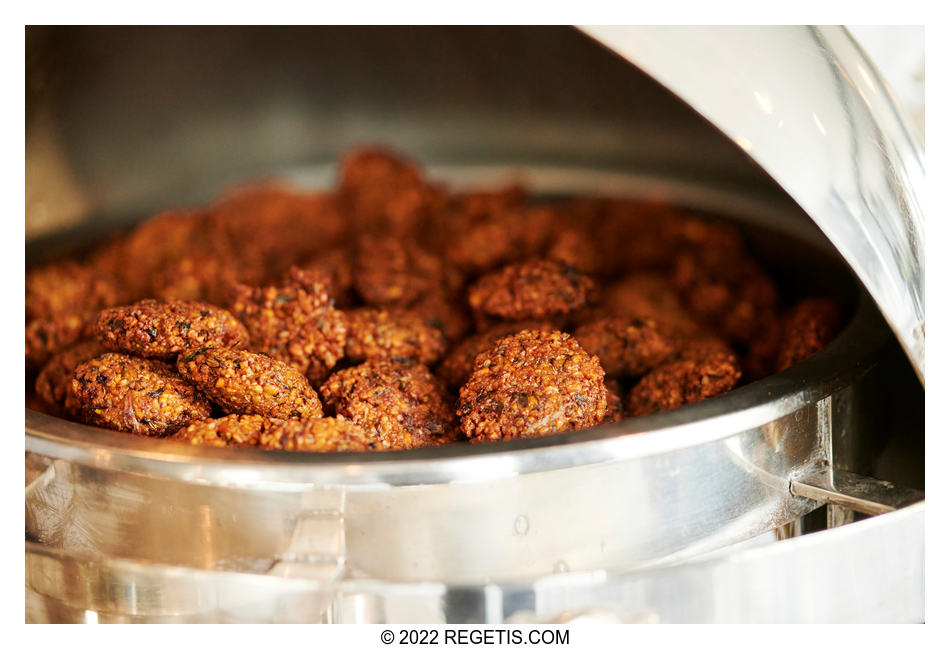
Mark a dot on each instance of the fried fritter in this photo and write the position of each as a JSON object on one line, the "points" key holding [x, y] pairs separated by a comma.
{"points": [[727, 290], [443, 311], [394, 272], [270, 227], [577, 248], [690, 378], [334, 269], [136, 259], [48, 336], [384, 192], [534, 289], [808, 327], [649, 296], [531, 384], [294, 323], [198, 277], [231, 430], [67, 288], [624, 347], [55, 381], [759, 359], [243, 382], [399, 403], [136, 395], [483, 230], [614, 402], [156, 329], [317, 434], [380, 333], [458, 363]]}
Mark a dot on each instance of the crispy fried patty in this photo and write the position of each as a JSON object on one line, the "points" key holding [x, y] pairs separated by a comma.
{"points": [[535, 289], [243, 382], [626, 347], [531, 384], [695, 377], [317, 434], [809, 326], [54, 383], [136, 395], [399, 402], [381, 333], [294, 323], [157, 329]]}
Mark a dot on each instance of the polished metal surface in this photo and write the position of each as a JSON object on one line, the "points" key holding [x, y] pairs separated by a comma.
{"points": [[809, 107], [853, 492], [869, 571]]}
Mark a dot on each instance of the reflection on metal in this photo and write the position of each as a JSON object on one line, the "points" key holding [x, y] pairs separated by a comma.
{"points": [[854, 492], [839, 147], [870, 571]]}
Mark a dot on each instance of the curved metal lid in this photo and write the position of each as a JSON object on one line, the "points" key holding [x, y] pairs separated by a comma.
{"points": [[811, 109]]}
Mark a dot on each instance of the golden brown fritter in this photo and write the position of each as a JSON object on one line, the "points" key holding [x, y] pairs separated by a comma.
{"points": [[534, 289], [136, 395], [577, 248], [399, 403], [614, 402], [317, 434], [48, 336], [531, 384], [808, 327], [243, 382], [198, 277], [384, 192], [700, 346], [649, 296], [444, 311], [156, 329], [480, 231], [645, 235], [135, 259], [270, 227], [67, 288], [759, 359], [230, 430], [294, 323], [380, 333], [727, 290], [690, 378], [626, 347], [459, 362], [55, 381], [630, 234], [334, 269], [389, 271]]}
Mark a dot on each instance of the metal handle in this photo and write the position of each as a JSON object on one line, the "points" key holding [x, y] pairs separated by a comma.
{"points": [[853, 492]]}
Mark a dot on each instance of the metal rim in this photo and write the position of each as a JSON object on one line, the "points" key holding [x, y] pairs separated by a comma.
{"points": [[748, 407]]}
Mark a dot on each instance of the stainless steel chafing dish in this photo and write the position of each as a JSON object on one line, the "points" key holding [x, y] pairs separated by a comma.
{"points": [[608, 523]]}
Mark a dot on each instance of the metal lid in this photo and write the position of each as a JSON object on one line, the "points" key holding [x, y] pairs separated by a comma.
{"points": [[811, 109]]}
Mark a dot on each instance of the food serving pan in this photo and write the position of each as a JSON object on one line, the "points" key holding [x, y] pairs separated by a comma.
{"points": [[136, 529]]}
